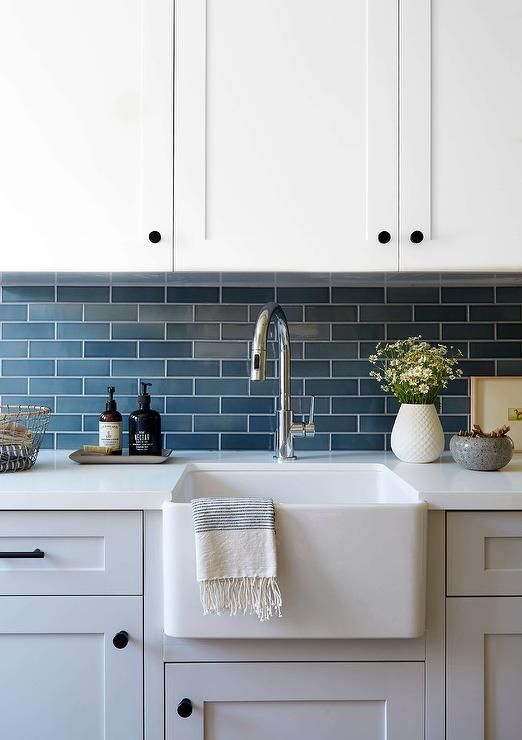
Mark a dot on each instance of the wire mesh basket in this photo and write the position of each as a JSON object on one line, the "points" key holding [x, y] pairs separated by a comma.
{"points": [[21, 432]]}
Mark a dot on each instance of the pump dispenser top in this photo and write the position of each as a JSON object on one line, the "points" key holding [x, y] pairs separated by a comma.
{"points": [[144, 426]]}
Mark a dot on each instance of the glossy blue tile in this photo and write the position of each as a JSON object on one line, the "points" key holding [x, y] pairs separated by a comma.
{"points": [[410, 294], [192, 405], [166, 312], [29, 399], [169, 386], [248, 295], [65, 423], [351, 368], [330, 350], [27, 368], [221, 386], [358, 405], [55, 312], [454, 424], [110, 312], [192, 441], [509, 367], [293, 313], [378, 423], [55, 349], [111, 349], [14, 349], [193, 294], [306, 332], [495, 349], [12, 312], [509, 294], [55, 386], [473, 331], [336, 423], [27, 294], [135, 294], [495, 313], [138, 367], [176, 423], [467, 294], [79, 405], [165, 349], [138, 331], [358, 331], [504, 331], [82, 367], [247, 442], [28, 330], [220, 423], [385, 313], [228, 350], [197, 331], [248, 405], [193, 368], [319, 442], [124, 386], [304, 294], [356, 294], [440, 313], [358, 442], [477, 367], [331, 313], [402, 331], [331, 387], [455, 405], [310, 369], [221, 313], [82, 294], [266, 424], [74, 441], [13, 385], [82, 331]]}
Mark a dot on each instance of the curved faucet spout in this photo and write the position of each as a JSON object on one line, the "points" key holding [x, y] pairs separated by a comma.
{"points": [[272, 313]]}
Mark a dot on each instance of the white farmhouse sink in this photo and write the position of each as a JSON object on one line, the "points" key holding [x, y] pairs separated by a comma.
{"points": [[351, 552]]}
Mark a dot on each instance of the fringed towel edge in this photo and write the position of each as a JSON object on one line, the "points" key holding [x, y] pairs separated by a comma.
{"points": [[254, 595]]}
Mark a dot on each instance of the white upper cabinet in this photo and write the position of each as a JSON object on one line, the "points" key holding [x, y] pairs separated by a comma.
{"points": [[461, 140], [286, 135], [86, 134]]}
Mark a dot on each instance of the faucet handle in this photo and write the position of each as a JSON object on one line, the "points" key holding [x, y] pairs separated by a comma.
{"points": [[309, 426], [304, 428]]}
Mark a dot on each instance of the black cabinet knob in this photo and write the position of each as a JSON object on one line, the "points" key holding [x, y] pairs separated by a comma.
{"points": [[416, 237], [384, 237], [185, 708], [154, 237], [120, 639]]}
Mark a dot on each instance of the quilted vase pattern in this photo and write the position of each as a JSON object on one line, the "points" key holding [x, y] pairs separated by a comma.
{"points": [[417, 435]]}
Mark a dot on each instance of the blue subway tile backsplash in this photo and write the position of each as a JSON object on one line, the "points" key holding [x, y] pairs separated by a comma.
{"points": [[65, 341]]}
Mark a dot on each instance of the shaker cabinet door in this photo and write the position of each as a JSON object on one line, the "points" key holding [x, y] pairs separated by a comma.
{"points": [[86, 135], [61, 676], [461, 140], [484, 660], [295, 701], [286, 151]]}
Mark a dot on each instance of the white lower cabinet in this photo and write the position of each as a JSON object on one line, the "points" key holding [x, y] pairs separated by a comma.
{"points": [[484, 663], [61, 676], [295, 701]]}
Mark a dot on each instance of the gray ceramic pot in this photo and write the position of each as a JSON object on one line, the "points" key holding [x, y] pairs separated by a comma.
{"points": [[481, 453]]}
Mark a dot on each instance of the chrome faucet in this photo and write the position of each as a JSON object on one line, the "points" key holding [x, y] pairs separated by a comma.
{"points": [[286, 428]]}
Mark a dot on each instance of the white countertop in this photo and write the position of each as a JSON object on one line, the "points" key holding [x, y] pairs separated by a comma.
{"points": [[57, 483]]}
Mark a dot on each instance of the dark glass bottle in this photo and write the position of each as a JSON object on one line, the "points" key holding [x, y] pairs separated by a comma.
{"points": [[144, 427], [110, 431]]}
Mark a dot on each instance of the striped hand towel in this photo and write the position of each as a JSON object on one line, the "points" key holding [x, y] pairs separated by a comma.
{"points": [[236, 556]]}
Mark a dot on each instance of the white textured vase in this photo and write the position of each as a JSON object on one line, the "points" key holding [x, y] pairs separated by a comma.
{"points": [[417, 435]]}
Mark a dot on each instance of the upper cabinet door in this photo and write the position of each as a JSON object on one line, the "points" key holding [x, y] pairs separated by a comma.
{"points": [[461, 184], [286, 135], [86, 134]]}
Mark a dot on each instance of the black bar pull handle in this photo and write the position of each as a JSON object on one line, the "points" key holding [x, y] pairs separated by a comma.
{"points": [[31, 554]]}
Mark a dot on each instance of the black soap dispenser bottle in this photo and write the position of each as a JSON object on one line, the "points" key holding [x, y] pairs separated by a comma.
{"points": [[144, 427]]}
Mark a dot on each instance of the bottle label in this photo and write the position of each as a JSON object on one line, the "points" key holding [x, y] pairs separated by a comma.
{"points": [[111, 434]]}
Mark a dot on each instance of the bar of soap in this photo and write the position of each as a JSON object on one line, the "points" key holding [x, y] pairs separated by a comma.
{"points": [[96, 450]]}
